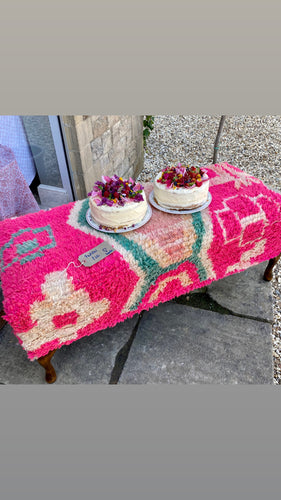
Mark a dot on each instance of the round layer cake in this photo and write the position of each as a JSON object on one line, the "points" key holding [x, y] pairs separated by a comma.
{"points": [[181, 187], [117, 203]]}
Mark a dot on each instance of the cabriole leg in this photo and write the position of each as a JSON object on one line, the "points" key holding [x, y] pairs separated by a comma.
{"points": [[45, 361], [3, 322], [268, 272]]}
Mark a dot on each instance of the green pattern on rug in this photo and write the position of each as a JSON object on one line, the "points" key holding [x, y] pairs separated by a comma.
{"points": [[27, 246], [147, 263], [82, 213], [200, 230]]}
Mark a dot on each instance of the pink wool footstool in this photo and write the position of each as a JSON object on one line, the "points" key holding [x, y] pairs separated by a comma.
{"points": [[51, 300]]}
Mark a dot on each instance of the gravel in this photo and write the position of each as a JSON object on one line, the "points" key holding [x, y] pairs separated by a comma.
{"points": [[252, 143]]}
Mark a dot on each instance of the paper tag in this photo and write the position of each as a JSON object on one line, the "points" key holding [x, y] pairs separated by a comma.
{"points": [[96, 254]]}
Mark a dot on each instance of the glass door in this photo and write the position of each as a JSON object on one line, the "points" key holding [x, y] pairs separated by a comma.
{"points": [[52, 180]]}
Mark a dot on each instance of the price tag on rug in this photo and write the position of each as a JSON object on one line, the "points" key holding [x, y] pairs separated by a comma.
{"points": [[96, 254]]}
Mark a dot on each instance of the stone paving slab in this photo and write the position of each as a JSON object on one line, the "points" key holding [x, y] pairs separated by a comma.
{"points": [[90, 360], [245, 293], [181, 344]]}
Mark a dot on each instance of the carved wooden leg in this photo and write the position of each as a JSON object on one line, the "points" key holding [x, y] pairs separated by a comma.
{"points": [[45, 361], [268, 275], [2, 320]]}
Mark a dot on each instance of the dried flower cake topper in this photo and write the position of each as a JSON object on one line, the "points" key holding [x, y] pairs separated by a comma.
{"points": [[116, 191], [182, 176]]}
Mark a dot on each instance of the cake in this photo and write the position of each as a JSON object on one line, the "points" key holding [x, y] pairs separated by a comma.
{"points": [[117, 203], [181, 187]]}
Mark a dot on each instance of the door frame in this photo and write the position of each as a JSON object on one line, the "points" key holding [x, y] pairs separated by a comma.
{"points": [[61, 152]]}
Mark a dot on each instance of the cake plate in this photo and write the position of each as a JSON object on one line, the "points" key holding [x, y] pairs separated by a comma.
{"points": [[179, 211], [98, 227]]}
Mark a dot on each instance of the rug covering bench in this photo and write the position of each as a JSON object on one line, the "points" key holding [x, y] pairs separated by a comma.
{"points": [[49, 301]]}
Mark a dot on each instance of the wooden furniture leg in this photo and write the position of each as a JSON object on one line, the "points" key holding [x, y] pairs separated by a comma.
{"points": [[45, 361], [2, 320], [268, 272]]}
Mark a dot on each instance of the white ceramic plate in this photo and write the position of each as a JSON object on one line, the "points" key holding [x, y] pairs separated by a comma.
{"points": [[97, 226], [179, 212]]}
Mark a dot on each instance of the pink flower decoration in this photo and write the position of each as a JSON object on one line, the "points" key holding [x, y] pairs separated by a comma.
{"points": [[137, 187], [115, 190], [96, 193], [182, 176], [105, 179]]}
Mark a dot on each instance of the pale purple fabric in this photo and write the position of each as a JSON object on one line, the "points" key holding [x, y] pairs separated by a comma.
{"points": [[12, 135], [15, 195]]}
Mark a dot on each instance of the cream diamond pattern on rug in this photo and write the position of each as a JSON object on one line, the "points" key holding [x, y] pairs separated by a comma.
{"points": [[60, 299]]}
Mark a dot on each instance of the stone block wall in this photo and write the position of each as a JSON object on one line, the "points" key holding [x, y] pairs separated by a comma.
{"points": [[103, 145]]}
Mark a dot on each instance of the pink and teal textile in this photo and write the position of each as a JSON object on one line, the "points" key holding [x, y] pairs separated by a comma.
{"points": [[50, 302]]}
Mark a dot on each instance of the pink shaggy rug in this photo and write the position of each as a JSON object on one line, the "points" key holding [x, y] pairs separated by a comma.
{"points": [[50, 303]]}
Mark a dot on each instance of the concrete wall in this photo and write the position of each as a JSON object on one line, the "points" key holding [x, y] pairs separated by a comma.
{"points": [[103, 145]]}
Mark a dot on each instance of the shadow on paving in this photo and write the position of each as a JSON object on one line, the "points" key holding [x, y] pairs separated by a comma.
{"points": [[219, 335]]}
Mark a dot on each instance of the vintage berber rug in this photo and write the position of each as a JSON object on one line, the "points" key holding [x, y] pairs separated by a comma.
{"points": [[50, 302]]}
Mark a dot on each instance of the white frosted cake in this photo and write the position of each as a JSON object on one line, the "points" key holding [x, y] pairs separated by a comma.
{"points": [[181, 187], [117, 203]]}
